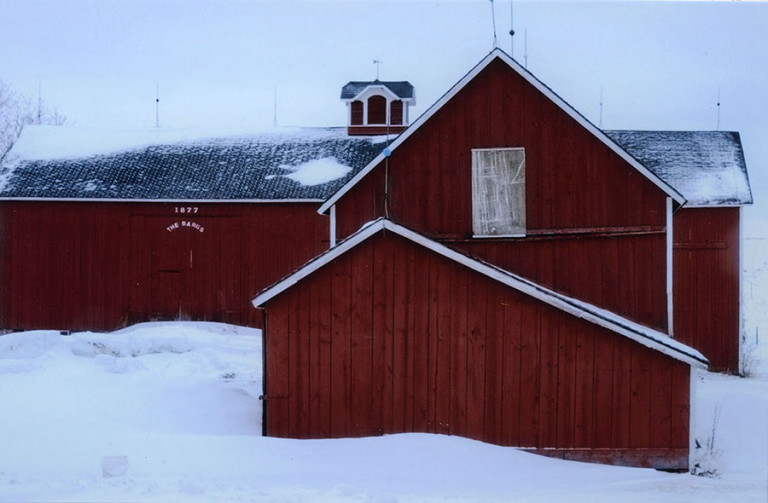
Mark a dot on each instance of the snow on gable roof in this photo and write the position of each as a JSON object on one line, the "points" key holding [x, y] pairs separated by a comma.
{"points": [[402, 88], [646, 336], [540, 86], [285, 164], [707, 167]]}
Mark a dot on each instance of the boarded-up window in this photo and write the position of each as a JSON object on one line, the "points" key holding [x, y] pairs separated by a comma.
{"points": [[357, 113], [377, 110], [396, 112], [498, 192]]}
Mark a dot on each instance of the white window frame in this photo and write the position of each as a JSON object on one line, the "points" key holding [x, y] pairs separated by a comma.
{"points": [[520, 179]]}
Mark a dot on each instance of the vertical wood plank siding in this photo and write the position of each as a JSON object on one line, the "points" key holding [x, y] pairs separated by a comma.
{"points": [[100, 266], [705, 264], [623, 273], [431, 346], [573, 179], [577, 190]]}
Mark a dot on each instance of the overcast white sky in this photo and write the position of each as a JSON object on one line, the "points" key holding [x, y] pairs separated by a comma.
{"points": [[661, 65]]}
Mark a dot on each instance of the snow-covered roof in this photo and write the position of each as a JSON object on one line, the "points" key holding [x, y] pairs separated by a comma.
{"points": [[51, 162], [706, 167], [401, 88], [644, 335]]}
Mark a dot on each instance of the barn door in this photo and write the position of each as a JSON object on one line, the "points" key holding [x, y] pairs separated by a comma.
{"points": [[169, 270], [169, 294], [187, 269]]}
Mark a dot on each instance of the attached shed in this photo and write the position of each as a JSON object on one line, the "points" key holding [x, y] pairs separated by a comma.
{"points": [[392, 332], [708, 168], [99, 230]]}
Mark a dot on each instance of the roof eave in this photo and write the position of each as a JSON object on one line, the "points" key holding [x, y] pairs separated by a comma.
{"points": [[157, 200]]}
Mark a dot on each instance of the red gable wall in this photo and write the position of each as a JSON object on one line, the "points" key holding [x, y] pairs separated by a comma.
{"points": [[573, 180], [596, 226], [391, 337]]}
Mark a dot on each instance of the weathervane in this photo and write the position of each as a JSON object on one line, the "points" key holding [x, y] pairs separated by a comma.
{"points": [[377, 62]]}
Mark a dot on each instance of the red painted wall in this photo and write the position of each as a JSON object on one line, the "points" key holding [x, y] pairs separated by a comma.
{"points": [[595, 224], [393, 338], [624, 273], [99, 266], [706, 283], [573, 181]]}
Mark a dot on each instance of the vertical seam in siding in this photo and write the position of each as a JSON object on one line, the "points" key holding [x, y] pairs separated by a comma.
{"points": [[692, 372], [375, 245], [740, 325], [333, 227], [330, 351], [670, 252]]}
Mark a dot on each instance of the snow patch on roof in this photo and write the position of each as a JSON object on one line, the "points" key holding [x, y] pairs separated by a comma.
{"points": [[317, 171], [706, 167], [191, 164]]}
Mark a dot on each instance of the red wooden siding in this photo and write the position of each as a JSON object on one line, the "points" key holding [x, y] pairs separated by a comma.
{"points": [[99, 266], [706, 283], [398, 339], [624, 273], [374, 130], [574, 181], [595, 225]]}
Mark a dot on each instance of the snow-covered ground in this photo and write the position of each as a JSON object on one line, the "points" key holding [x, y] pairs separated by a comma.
{"points": [[175, 406]]}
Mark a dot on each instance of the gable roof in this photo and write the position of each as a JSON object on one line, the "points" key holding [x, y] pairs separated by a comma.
{"points": [[540, 86], [401, 88], [646, 336], [67, 163], [706, 167]]}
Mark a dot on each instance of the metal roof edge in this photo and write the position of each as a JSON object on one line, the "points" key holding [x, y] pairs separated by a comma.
{"points": [[718, 205], [319, 261]]}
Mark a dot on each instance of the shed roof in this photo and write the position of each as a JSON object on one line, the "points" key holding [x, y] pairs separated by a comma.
{"points": [[400, 88], [291, 164], [706, 167], [644, 335]]}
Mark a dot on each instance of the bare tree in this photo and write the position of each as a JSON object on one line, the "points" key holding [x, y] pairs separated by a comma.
{"points": [[17, 111]]}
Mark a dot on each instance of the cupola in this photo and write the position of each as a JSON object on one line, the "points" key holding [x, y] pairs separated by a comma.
{"points": [[377, 107]]}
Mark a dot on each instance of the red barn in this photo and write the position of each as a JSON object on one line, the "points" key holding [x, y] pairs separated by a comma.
{"points": [[392, 332], [96, 236], [708, 168], [606, 217], [528, 279], [442, 316]]}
